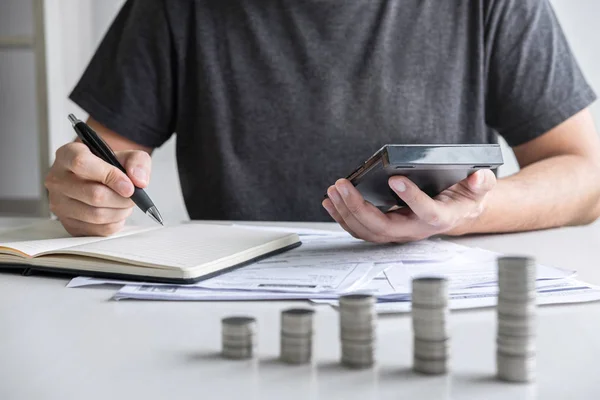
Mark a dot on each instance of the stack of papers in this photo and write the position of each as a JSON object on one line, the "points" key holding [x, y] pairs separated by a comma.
{"points": [[330, 264]]}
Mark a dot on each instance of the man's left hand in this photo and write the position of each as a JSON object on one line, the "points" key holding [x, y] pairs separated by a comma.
{"points": [[450, 212]]}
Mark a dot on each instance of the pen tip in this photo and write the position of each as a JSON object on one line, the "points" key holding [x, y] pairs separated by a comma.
{"points": [[155, 215], [73, 119]]}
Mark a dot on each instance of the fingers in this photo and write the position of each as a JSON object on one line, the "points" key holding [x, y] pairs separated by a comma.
{"points": [[424, 207], [423, 217], [481, 182], [328, 205], [78, 159], [361, 217], [138, 165], [77, 210], [91, 193]]}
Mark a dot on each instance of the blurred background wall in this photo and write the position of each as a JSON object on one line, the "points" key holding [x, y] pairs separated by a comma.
{"points": [[45, 46]]}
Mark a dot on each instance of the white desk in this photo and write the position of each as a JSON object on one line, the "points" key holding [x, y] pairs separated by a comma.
{"points": [[58, 343]]}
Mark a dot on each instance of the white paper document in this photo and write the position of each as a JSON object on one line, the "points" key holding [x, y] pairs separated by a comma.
{"points": [[328, 265], [348, 249], [563, 291], [294, 277]]}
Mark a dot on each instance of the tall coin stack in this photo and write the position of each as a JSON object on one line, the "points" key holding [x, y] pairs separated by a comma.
{"points": [[516, 312], [431, 342], [238, 337], [358, 321], [296, 335]]}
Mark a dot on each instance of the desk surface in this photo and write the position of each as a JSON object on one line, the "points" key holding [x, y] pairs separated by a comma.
{"points": [[58, 343]]}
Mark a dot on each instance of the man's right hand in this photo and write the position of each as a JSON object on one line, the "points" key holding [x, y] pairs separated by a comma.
{"points": [[91, 197]]}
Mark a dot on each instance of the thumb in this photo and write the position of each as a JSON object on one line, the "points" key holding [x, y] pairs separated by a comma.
{"points": [[481, 182], [138, 165]]}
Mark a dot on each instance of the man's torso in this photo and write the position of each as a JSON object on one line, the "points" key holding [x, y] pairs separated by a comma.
{"points": [[276, 99]]}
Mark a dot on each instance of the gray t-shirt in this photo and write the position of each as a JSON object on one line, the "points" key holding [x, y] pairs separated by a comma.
{"points": [[273, 100]]}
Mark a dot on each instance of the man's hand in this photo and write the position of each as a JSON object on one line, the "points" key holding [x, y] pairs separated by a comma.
{"points": [[90, 196], [450, 212]]}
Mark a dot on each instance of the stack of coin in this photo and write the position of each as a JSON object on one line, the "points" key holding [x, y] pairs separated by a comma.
{"points": [[296, 335], [516, 312], [431, 344], [357, 330], [238, 337]]}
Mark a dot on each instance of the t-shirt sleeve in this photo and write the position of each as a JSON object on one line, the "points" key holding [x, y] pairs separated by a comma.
{"points": [[534, 82], [128, 85]]}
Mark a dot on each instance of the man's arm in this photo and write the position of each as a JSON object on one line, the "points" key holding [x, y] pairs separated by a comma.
{"points": [[558, 184]]}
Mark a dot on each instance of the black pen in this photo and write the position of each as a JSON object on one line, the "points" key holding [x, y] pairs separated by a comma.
{"points": [[100, 149]]}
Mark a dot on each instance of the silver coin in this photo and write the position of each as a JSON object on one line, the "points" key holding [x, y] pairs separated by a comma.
{"points": [[354, 313], [517, 321], [357, 320], [357, 301], [528, 351], [515, 327], [426, 349], [347, 326], [516, 261], [296, 358], [430, 314], [297, 330], [435, 327], [429, 287], [517, 346], [526, 297], [348, 323], [354, 336], [516, 340], [357, 346], [231, 342], [428, 283], [297, 320], [517, 283], [430, 367], [359, 357], [296, 349], [238, 353], [233, 326], [518, 309], [516, 277], [360, 364], [358, 325], [515, 369], [296, 341], [429, 301]]}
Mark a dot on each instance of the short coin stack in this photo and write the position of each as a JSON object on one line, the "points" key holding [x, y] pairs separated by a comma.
{"points": [[358, 322], [431, 345], [238, 337], [296, 335], [516, 311]]}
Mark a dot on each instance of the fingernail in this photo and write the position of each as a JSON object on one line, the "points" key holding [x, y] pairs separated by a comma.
{"points": [[333, 195], [140, 174], [478, 179], [399, 186], [343, 190], [325, 206], [123, 187]]}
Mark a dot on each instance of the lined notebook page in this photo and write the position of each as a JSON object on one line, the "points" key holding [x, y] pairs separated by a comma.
{"points": [[182, 246], [46, 236]]}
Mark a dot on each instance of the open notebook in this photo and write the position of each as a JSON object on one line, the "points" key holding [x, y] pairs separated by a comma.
{"points": [[178, 254]]}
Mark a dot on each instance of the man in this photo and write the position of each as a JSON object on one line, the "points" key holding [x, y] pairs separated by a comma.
{"points": [[273, 100]]}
